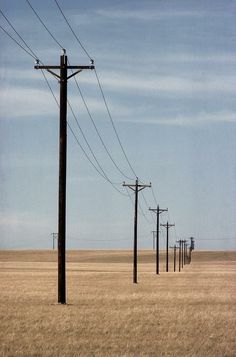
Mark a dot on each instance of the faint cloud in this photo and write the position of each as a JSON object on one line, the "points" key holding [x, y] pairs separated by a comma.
{"points": [[22, 219], [148, 15], [22, 102], [184, 84], [189, 120]]}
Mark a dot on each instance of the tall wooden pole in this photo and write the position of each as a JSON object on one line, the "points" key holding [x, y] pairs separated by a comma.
{"points": [[167, 226], [158, 211], [136, 188], [135, 234], [62, 184], [63, 78]]}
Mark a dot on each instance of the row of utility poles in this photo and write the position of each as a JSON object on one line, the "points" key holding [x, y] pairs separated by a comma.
{"points": [[63, 77], [184, 248]]}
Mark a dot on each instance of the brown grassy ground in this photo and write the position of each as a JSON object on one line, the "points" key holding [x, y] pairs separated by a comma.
{"points": [[192, 313]]}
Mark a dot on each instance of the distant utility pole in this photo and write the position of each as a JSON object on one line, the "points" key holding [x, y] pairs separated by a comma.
{"points": [[192, 243], [54, 237], [136, 188], [191, 248], [186, 253], [180, 253], [187, 257], [174, 247], [179, 257], [158, 211], [184, 242], [167, 226], [153, 239], [63, 78], [174, 258]]}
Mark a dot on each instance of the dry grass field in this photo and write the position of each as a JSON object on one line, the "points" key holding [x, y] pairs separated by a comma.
{"points": [[192, 313]]}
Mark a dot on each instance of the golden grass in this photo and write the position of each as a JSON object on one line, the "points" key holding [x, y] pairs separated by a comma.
{"points": [[192, 313]]}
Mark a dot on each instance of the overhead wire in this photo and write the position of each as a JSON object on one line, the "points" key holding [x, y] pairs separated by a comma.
{"points": [[42, 22], [101, 90], [174, 227], [86, 106], [107, 108], [7, 33], [70, 106], [33, 55], [143, 214], [154, 196], [96, 128], [77, 38], [89, 146], [113, 124], [103, 174]]}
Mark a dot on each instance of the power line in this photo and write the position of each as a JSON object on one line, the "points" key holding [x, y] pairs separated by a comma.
{"points": [[143, 214], [77, 38], [147, 208], [89, 146], [9, 23], [129, 195], [154, 196], [96, 129], [58, 43], [46, 28], [74, 135], [113, 125], [33, 55], [7, 33], [70, 128], [100, 87]]}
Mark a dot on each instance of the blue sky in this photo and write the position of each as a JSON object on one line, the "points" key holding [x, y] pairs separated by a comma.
{"points": [[168, 70]]}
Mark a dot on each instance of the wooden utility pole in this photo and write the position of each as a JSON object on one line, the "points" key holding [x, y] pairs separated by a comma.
{"points": [[158, 211], [63, 78], [174, 258], [174, 247], [180, 253], [136, 188], [184, 242], [167, 226]]}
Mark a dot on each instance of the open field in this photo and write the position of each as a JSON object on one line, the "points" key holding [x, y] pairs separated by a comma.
{"points": [[192, 313]]}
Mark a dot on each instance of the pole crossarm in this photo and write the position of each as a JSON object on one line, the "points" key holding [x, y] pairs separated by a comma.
{"points": [[68, 67], [79, 69], [168, 225], [138, 186], [159, 210]]}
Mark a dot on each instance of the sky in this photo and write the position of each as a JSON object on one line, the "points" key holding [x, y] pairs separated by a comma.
{"points": [[168, 72]]}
